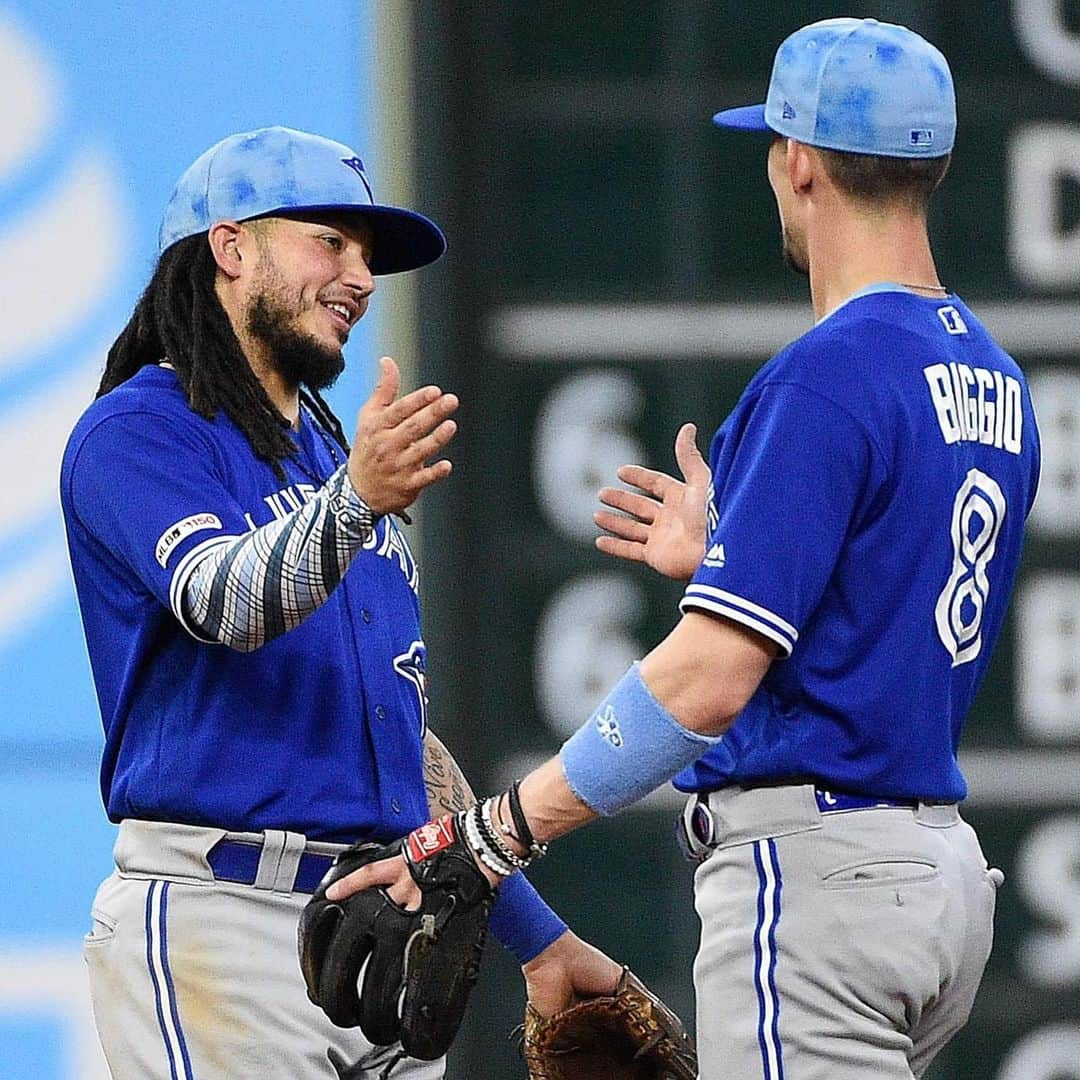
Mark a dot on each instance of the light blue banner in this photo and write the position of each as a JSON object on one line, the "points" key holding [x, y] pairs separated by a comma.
{"points": [[105, 104]]}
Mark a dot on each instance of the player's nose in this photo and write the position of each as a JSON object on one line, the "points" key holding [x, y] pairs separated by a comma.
{"points": [[356, 275]]}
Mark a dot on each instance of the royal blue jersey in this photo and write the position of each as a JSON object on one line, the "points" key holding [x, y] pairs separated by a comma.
{"points": [[290, 736], [869, 495]]}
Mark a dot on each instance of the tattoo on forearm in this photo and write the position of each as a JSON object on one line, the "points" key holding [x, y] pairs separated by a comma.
{"points": [[447, 789]]}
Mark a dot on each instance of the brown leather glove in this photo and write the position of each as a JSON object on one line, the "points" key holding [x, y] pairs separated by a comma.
{"points": [[628, 1035]]}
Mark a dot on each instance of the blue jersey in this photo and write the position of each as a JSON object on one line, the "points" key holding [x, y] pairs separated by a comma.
{"points": [[869, 494], [290, 736]]}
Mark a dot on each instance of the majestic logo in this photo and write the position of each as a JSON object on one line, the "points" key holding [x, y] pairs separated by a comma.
{"points": [[952, 320], [716, 556], [607, 724], [175, 533]]}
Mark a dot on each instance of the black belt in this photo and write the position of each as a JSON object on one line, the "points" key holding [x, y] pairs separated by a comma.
{"points": [[238, 862]]}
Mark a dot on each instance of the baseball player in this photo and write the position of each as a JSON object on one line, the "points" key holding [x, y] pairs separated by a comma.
{"points": [[849, 549], [251, 617]]}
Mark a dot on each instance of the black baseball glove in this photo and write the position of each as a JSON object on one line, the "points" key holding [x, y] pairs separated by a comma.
{"points": [[421, 965]]}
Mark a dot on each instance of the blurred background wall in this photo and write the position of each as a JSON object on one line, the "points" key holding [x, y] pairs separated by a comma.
{"points": [[613, 271]]}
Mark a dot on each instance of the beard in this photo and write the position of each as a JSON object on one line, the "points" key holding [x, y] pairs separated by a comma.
{"points": [[794, 258], [295, 356]]}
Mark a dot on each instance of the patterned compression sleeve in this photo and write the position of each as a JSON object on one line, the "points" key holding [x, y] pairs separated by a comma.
{"points": [[250, 590]]}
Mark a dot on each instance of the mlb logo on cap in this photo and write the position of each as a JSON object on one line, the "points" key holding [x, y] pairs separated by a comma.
{"points": [[860, 86]]}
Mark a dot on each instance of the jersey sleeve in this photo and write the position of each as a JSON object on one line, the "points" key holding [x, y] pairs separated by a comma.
{"points": [[787, 491], [150, 490], [250, 590]]}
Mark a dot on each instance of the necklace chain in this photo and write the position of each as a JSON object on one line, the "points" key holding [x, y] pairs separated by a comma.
{"points": [[331, 446], [925, 288]]}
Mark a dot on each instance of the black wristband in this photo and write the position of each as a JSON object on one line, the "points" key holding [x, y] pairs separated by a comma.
{"points": [[517, 815]]}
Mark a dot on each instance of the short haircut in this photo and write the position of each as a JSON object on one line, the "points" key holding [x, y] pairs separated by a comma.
{"points": [[870, 178]]}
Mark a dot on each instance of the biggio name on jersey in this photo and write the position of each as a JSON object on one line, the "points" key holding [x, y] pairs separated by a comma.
{"points": [[975, 404]]}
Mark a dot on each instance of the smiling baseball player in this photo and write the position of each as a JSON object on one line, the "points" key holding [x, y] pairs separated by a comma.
{"points": [[252, 620], [850, 549]]}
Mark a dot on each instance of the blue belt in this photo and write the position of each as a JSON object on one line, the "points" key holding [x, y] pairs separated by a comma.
{"points": [[832, 802], [829, 802], [235, 861]]}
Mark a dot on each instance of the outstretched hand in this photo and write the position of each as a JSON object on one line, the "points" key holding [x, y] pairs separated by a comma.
{"points": [[396, 438], [662, 523]]}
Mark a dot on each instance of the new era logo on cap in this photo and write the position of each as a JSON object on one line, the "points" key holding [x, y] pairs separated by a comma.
{"points": [[788, 112]]}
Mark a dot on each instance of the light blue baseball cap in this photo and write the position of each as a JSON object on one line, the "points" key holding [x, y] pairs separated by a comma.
{"points": [[857, 85], [277, 169]]}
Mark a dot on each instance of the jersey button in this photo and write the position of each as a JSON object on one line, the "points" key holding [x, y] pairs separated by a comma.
{"points": [[365, 615], [395, 806], [380, 712]]}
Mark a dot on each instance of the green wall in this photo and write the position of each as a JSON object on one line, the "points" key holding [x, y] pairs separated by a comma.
{"points": [[614, 271]]}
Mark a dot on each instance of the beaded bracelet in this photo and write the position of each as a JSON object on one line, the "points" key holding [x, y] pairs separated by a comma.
{"points": [[491, 833], [486, 853]]}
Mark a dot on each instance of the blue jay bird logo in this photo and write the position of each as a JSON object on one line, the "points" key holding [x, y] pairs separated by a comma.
{"points": [[357, 167], [410, 665]]}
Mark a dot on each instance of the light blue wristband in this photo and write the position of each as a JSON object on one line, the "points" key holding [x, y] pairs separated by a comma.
{"points": [[627, 748]]}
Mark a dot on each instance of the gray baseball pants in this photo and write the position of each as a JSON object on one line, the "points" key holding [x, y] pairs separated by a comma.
{"points": [[197, 979], [838, 945]]}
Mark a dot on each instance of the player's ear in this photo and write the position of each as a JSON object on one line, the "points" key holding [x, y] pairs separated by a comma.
{"points": [[226, 242], [801, 164]]}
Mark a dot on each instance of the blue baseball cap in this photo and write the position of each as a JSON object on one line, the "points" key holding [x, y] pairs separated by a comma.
{"points": [[857, 85], [277, 169]]}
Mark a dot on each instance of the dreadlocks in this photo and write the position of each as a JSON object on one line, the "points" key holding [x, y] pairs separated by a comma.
{"points": [[179, 317]]}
